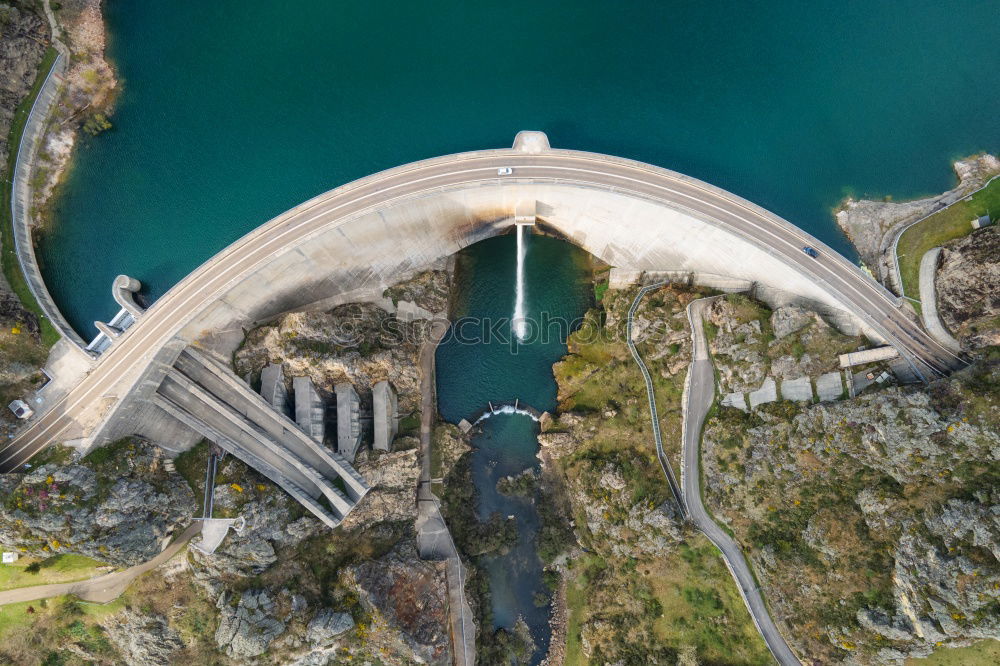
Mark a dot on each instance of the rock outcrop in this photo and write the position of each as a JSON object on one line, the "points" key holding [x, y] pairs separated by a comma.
{"points": [[871, 225], [968, 288], [23, 37], [142, 640], [326, 625], [393, 479], [247, 625], [750, 343], [408, 601], [117, 506]]}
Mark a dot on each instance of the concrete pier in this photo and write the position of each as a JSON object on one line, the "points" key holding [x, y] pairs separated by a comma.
{"points": [[385, 415], [123, 290], [272, 387], [310, 412], [348, 420]]}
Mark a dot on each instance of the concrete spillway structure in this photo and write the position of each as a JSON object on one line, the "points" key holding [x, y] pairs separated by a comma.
{"points": [[310, 412], [272, 387], [220, 407]]}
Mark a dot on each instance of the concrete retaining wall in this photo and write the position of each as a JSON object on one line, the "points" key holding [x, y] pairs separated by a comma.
{"points": [[20, 206]]}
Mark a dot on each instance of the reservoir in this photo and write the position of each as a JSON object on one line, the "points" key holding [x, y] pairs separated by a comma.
{"points": [[232, 112], [473, 371]]}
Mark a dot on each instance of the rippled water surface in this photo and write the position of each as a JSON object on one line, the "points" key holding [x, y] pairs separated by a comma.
{"points": [[473, 371], [232, 112]]}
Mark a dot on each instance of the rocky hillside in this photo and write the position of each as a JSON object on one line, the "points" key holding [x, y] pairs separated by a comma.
{"points": [[639, 586], [871, 522], [357, 342], [287, 590], [21, 354], [968, 288], [750, 343], [116, 505], [24, 36]]}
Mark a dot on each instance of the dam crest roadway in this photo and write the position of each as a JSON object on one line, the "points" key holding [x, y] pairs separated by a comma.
{"points": [[357, 239]]}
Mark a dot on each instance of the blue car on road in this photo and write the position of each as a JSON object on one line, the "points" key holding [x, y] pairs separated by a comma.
{"points": [[811, 252]]}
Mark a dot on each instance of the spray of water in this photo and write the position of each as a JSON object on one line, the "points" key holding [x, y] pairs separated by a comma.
{"points": [[506, 409], [518, 321]]}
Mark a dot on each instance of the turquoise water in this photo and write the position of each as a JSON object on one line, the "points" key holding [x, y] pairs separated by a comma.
{"points": [[232, 112], [472, 371]]}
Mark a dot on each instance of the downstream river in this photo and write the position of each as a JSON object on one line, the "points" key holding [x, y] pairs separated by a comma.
{"points": [[474, 370], [232, 112]]}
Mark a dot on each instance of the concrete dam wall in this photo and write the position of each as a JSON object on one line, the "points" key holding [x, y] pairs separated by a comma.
{"points": [[352, 242], [372, 250]]}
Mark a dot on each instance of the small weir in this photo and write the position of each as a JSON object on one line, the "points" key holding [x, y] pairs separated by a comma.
{"points": [[504, 390], [508, 408]]}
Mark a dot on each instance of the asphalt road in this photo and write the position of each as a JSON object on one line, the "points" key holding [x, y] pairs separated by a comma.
{"points": [[699, 396], [133, 350]]}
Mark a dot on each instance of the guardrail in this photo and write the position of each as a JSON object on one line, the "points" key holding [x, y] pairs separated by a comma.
{"points": [[21, 195], [651, 396]]}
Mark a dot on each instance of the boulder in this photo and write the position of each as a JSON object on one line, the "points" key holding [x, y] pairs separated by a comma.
{"points": [[788, 319], [247, 628], [326, 625], [142, 640]]}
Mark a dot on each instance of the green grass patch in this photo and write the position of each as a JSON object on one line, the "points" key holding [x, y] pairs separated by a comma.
{"points": [[576, 603], [985, 653], [56, 454], [11, 267], [410, 424], [945, 225], [111, 457], [702, 606], [17, 618], [65, 568], [192, 465]]}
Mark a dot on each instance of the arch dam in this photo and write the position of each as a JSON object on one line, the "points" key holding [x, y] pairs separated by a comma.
{"points": [[370, 233]]}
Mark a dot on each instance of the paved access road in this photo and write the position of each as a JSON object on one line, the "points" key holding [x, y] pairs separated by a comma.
{"points": [[699, 396], [104, 588], [135, 348]]}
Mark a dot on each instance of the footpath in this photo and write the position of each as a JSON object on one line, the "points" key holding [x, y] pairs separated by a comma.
{"points": [[433, 537], [102, 589]]}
